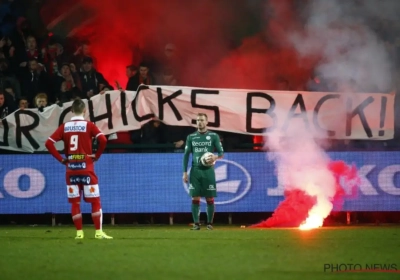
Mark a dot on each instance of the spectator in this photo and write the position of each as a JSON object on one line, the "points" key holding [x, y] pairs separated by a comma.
{"points": [[34, 80], [56, 51], [10, 90], [92, 81], [23, 103], [170, 60], [145, 76], [176, 135], [168, 78], [41, 101], [154, 132], [8, 52], [18, 37], [133, 79], [66, 94], [7, 106], [31, 52], [8, 80], [55, 57], [82, 52], [71, 79]]}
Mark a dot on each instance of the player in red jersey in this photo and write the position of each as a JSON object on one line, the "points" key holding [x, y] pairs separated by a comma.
{"points": [[77, 135]]}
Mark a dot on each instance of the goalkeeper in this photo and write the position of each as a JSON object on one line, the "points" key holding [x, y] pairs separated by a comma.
{"points": [[202, 174]]}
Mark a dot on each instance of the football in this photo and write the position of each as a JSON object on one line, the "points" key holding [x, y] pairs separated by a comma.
{"points": [[205, 157]]}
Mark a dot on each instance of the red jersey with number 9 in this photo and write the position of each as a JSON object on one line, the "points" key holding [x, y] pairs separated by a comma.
{"points": [[77, 136]]}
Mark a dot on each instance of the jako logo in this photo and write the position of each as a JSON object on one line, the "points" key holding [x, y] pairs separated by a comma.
{"points": [[233, 181], [15, 186]]}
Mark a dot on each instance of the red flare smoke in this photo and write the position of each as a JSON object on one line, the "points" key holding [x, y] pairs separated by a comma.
{"points": [[351, 181], [229, 44], [294, 209], [291, 212]]}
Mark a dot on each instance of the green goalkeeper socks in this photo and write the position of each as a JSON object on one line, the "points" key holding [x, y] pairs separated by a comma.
{"points": [[210, 213], [195, 211]]}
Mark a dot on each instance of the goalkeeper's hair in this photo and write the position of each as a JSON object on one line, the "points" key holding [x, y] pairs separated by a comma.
{"points": [[78, 106], [203, 115]]}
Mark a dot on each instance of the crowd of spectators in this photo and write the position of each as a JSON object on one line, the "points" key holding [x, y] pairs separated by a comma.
{"points": [[38, 72]]}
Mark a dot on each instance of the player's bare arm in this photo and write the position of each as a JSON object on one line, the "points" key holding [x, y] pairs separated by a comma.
{"points": [[50, 145]]}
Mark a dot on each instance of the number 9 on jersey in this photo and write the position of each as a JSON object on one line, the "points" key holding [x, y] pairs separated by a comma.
{"points": [[73, 143]]}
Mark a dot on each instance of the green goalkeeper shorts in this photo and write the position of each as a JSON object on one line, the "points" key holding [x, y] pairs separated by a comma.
{"points": [[202, 182]]}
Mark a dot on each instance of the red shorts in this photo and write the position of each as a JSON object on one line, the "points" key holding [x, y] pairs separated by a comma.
{"points": [[85, 183]]}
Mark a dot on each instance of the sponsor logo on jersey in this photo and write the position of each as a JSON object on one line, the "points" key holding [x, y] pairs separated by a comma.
{"points": [[76, 128], [76, 157], [79, 126], [200, 150], [201, 147], [233, 182], [79, 179], [201, 144], [77, 165]]}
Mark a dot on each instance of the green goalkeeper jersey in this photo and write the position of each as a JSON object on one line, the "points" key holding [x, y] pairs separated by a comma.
{"points": [[199, 143]]}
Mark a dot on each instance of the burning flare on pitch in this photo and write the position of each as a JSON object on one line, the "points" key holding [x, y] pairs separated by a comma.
{"points": [[307, 207], [313, 184], [317, 214], [313, 221], [345, 178]]}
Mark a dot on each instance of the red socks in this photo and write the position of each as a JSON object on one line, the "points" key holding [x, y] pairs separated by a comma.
{"points": [[76, 215], [97, 215]]}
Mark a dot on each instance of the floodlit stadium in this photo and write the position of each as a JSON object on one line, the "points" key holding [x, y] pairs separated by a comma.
{"points": [[199, 139]]}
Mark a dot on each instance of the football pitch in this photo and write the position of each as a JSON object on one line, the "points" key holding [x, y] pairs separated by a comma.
{"points": [[175, 252]]}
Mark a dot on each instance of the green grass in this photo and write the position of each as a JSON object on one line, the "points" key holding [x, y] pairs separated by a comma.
{"points": [[175, 252]]}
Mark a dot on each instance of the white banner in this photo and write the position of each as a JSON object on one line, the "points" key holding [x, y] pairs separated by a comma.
{"points": [[337, 115]]}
